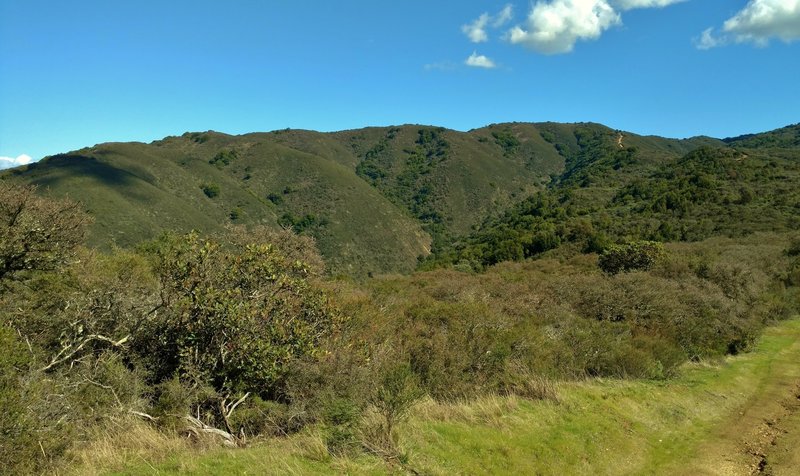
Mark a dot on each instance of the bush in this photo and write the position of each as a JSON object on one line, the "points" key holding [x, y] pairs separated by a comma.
{"points": [[794, 248], [224, 158], [37, 233], [341, 417], [636, 256], [397, 390], [233, 317], [210, 189]]}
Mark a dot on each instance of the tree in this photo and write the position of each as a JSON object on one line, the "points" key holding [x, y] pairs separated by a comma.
{"points": [[37, 233]]}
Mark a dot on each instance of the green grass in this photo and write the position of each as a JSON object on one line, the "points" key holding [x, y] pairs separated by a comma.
{"points": [[597, 427]]}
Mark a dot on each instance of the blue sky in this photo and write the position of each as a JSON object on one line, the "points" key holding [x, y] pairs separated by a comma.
{"points": [[77, 73]]}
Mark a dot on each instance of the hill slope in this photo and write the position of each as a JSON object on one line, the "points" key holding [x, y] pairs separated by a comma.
{"points": [[378, 199]]}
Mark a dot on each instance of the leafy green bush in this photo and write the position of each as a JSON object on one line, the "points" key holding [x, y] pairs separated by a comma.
{"points": [[341, 417], [637, 256], [223, 158], [232, 317], [507, 140], [36, 233], [210, 189]]}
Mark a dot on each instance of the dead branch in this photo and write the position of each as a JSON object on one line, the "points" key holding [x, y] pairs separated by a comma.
{"points": [[230, 408], [197, 427], [63, 356], [142, 415], [106, 387], [227, 410]]}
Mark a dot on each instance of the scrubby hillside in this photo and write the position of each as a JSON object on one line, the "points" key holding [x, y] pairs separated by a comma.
{"points": [[234, 334], [617, 187], [376, 199]]}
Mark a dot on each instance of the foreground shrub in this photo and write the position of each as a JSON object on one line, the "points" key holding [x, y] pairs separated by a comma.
{"points": [[232, 317]]}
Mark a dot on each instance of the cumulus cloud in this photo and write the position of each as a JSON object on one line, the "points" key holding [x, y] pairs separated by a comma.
{"points": [[477, 30], [758, 22], [631, 4], [555, 27], [479, 61], [9, 162], [761, 20]]}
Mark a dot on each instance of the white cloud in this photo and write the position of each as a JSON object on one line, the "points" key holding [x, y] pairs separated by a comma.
{"points": [[505, 16], [709, 40], [631, 4], [9, 162], [761, 20], [555, 27], [758, 22], [476, 31], [479, 61]]}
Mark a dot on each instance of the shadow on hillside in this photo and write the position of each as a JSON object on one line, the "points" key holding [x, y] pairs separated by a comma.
{"points": [[67, 166]]}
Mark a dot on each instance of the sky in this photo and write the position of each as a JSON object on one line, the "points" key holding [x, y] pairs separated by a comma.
{"points": [[82, 72]]}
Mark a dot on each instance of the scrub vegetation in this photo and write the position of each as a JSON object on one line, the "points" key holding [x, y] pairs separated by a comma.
{"points": [[593, 283]]}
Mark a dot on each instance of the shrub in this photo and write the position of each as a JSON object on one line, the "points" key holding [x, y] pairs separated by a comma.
{"points": [[794, 248], [636, 256], [341, 416], [210, 189], [232, 317], [224, 158], [37, 233], [397, 392]]}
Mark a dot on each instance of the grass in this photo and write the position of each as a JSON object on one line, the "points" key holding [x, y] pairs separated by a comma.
{"points": [[687, 425]]}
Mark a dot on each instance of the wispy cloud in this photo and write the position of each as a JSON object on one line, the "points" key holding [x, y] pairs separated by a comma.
{"points": [[477, 31], [758, 22], [505, 16], [631, 4], [708, 40], [9, 162], [441, 66], [480, 61]]}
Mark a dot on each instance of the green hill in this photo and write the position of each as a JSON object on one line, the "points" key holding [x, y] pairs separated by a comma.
{"points": [[379, 199], [620, 187]]}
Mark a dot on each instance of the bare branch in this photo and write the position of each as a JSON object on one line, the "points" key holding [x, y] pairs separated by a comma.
{"points": [[231, 408], [58, 359]]}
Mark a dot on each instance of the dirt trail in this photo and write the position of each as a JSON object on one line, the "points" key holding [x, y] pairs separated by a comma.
{"points": [[764, 437]]}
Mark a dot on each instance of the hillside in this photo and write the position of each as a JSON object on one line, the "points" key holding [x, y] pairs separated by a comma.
{"points": [[238, 338], [375, 199], [616, 187]]}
